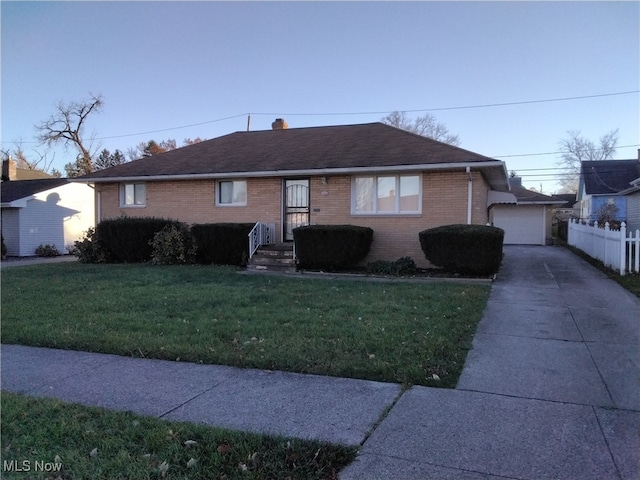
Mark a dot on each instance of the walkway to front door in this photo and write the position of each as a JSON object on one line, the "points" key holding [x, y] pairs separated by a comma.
{"points": [[296, 205]]}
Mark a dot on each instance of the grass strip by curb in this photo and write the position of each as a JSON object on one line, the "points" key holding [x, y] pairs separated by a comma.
{"points": [[46, 438]]}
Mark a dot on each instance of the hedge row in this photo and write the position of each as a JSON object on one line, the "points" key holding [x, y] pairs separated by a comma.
{"points": [[141, 239], [473, 249]]}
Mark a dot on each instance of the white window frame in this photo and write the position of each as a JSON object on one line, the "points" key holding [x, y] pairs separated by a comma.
{"points": [[396, 211], [219, 202], [135, 204]]}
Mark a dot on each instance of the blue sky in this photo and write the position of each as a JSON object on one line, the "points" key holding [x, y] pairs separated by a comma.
{"points": [[163, 65]]}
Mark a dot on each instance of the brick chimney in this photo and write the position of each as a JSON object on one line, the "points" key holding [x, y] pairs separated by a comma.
{"points": [[9, 169], [515, 181], [279, 124]]}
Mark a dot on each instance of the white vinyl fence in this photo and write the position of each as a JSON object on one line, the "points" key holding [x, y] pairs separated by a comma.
{"points": [[614, 248]]}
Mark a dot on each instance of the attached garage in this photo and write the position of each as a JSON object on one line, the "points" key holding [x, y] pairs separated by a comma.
{"points": [[527, 221]]}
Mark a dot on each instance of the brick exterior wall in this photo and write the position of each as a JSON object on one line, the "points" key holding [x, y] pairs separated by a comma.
{"points": [[444, 201]]}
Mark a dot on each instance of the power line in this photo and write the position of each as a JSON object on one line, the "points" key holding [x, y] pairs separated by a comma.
{"points": [[555, 153], [437, 109], [463, 107]]}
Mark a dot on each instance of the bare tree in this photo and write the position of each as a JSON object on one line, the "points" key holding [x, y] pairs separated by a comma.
{"points": [[427, 126], [17, 154], [66, 125], [577, 149]]}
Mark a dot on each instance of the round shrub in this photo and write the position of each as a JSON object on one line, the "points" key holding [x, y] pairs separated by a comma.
{"points": [[466, 249]]}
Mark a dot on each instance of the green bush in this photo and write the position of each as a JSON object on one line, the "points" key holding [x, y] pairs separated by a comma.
{"points": [[466, 249], [88, 250], [173, 245], [127, 239], [402, 267], [4, 248], [222, 243], [331, 247], [47, 251]]}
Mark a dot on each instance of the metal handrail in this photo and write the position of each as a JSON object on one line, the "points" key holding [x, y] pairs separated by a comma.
{"points": [[261, 234]]}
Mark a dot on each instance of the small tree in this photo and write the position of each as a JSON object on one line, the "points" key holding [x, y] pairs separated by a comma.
{"points": [[107, 159], [607, 214]]}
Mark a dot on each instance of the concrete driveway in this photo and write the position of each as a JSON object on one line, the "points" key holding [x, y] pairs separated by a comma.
{"points": [[550, 390]]}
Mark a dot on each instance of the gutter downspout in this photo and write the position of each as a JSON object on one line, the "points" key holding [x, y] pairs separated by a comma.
{"points": [[469, 195]]}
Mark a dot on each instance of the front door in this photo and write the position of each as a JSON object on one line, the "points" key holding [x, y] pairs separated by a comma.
{"points": [[296, 206]]}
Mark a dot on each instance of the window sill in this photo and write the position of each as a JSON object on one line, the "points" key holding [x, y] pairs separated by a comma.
{"points": [[376, 215]]}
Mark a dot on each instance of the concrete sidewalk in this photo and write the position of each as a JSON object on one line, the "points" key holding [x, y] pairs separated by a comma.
{"points": [[551, 389]]}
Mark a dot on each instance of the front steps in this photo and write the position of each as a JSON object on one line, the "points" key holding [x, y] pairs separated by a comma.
{"points": [[273, 258]]}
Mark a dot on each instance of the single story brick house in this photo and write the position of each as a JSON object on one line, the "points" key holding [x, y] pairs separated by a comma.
{"points": [[44, 211], [373, 175]]}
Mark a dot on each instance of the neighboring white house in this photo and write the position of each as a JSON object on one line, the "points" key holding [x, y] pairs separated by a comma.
{"points": [[51, 211], [525, 217]]}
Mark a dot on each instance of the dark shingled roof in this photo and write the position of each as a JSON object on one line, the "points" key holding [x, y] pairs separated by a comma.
{"points": [[569, 199], [17, 189], [524, 195], [609, 176], [296, 149]]}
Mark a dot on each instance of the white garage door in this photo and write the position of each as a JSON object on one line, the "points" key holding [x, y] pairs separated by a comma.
{"points": [[522, 224]]}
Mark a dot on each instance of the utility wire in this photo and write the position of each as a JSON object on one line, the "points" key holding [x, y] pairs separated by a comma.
{"points": [[462, 107], [440, 109]]}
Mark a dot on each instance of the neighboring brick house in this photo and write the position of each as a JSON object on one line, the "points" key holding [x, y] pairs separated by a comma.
{"points": [[374, 175]]}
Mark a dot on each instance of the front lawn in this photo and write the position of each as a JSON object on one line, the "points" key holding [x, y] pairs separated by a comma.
{"points": [[45, 438], [411, 333]]}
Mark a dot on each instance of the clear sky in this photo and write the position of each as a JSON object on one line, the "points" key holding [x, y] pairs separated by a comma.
{"points": [[206, 65]]}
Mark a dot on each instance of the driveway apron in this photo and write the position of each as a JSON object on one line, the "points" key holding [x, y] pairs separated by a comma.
{"points": [[550, 389]]}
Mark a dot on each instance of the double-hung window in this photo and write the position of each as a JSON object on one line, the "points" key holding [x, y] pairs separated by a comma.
{"points": [[386, 195], [232, 193], [133, 195]]}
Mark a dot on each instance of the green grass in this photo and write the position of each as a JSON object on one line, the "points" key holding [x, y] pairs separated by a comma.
{"points": [[386, 331], [629, 281], [129, 446]]}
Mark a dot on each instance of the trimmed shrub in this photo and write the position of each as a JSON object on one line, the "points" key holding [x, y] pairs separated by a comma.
{"points": [[402, 267], [127, 239], [172, 245], [88, 250], [467, 249], [47, 251], [222, 243], [331, 247]]}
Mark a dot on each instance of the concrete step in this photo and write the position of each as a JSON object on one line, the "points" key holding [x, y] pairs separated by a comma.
{"points": [[273, 258]]}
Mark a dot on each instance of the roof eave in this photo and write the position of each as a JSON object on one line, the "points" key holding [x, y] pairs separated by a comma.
{"points": [[497, 165]]}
